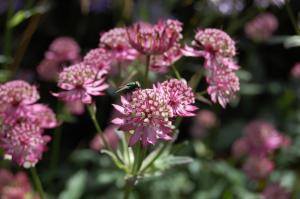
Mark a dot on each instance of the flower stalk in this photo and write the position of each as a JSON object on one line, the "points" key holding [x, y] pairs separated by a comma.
{"points": [[37, 183]]}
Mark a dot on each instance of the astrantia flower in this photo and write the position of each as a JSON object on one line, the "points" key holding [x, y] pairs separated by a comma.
{"points": [[204, 120], [75, 107], [262, 138], [146, 114], [116, 42], [295, 72], [81, 82], [14, 97], [261, 27], [275, 191], [258, 167], [99, 58], [48, 70], [23, 143], [41, 115], [151, 39], [180, 96], [110, 136], [223, 85], [63, 49]]}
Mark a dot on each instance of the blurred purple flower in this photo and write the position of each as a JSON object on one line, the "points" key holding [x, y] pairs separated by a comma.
{"points": [[266, 3], [110, 136], [295, 72], [17, 4], [258, 168], [227, 7], [275, 191], [204, 120]]}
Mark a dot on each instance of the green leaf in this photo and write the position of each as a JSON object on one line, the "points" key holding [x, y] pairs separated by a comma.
{"points": [[114, 159], [75, 186]]}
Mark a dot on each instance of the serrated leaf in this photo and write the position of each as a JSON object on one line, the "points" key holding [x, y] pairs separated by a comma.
{"points": [[75, 186]]}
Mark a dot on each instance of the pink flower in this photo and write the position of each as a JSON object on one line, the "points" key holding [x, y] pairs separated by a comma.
{"points": [[275, 191], [15, 186], [261, 27], [41, 115], [152, 39], [210, 43], [146, 115], [116, 42], [48, 70], [99, 58], [262, 138], [110, 136], [14, 97], [75, 107], [63, 49], [81, 82], [223, 85], [240, 148], [23, 143], [258, 167], [180, 97], [295, 72]]}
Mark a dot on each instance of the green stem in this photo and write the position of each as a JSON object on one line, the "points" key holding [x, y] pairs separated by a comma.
{"points": [[97, 126], [292, 17], [127, 191], [178, 76], [37, 183], [55, 148], [148, 57], [162, 149]]}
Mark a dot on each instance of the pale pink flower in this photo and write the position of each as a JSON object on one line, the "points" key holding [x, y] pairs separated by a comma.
{"points": [[262, 138], [41, 115], [240, 148], [274, 190], [152, 39], [75, 107], [63, 49], [14, 97], [15, 186], [204, 120], [110, 136], [23, 143], [116, 42], [210, 43], [146, 115], [261, 27], [295, 72], [81, 82], [48, 70], [258, 167], [180, 97], [99, 58], [223, 86]]}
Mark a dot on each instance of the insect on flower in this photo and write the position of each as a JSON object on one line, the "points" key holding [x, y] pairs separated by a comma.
{"points": [[131, 86]]}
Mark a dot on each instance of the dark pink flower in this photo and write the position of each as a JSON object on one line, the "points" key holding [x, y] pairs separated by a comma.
{"points": [[110, 136], [258, 167], [14, 97], [152, 39], [116, 42], [146, 115], [180, 97], [99, 58], [23, 143], [63, 49], [81, 82], [274, 190], [295, 72], [223, 85], [261, 27]]}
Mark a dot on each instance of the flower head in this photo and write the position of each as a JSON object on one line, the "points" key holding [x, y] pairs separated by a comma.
{"points": [[81, 82], [146, 114], [116, 42], [180, 97], [275, 191], [23, 143], [261, 27], [14, 96], [48, 70], [223, 85], [258, 167], [63, 49], [295, 72], [99, 58], [75, 107], [152, 39]]}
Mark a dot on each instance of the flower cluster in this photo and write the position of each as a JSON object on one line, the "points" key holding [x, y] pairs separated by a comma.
{"points": [[261, 27], [23, 123], [218, 50], [260, 140], [62, 50], [275, 191], [148, 113], [15, 186]]}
